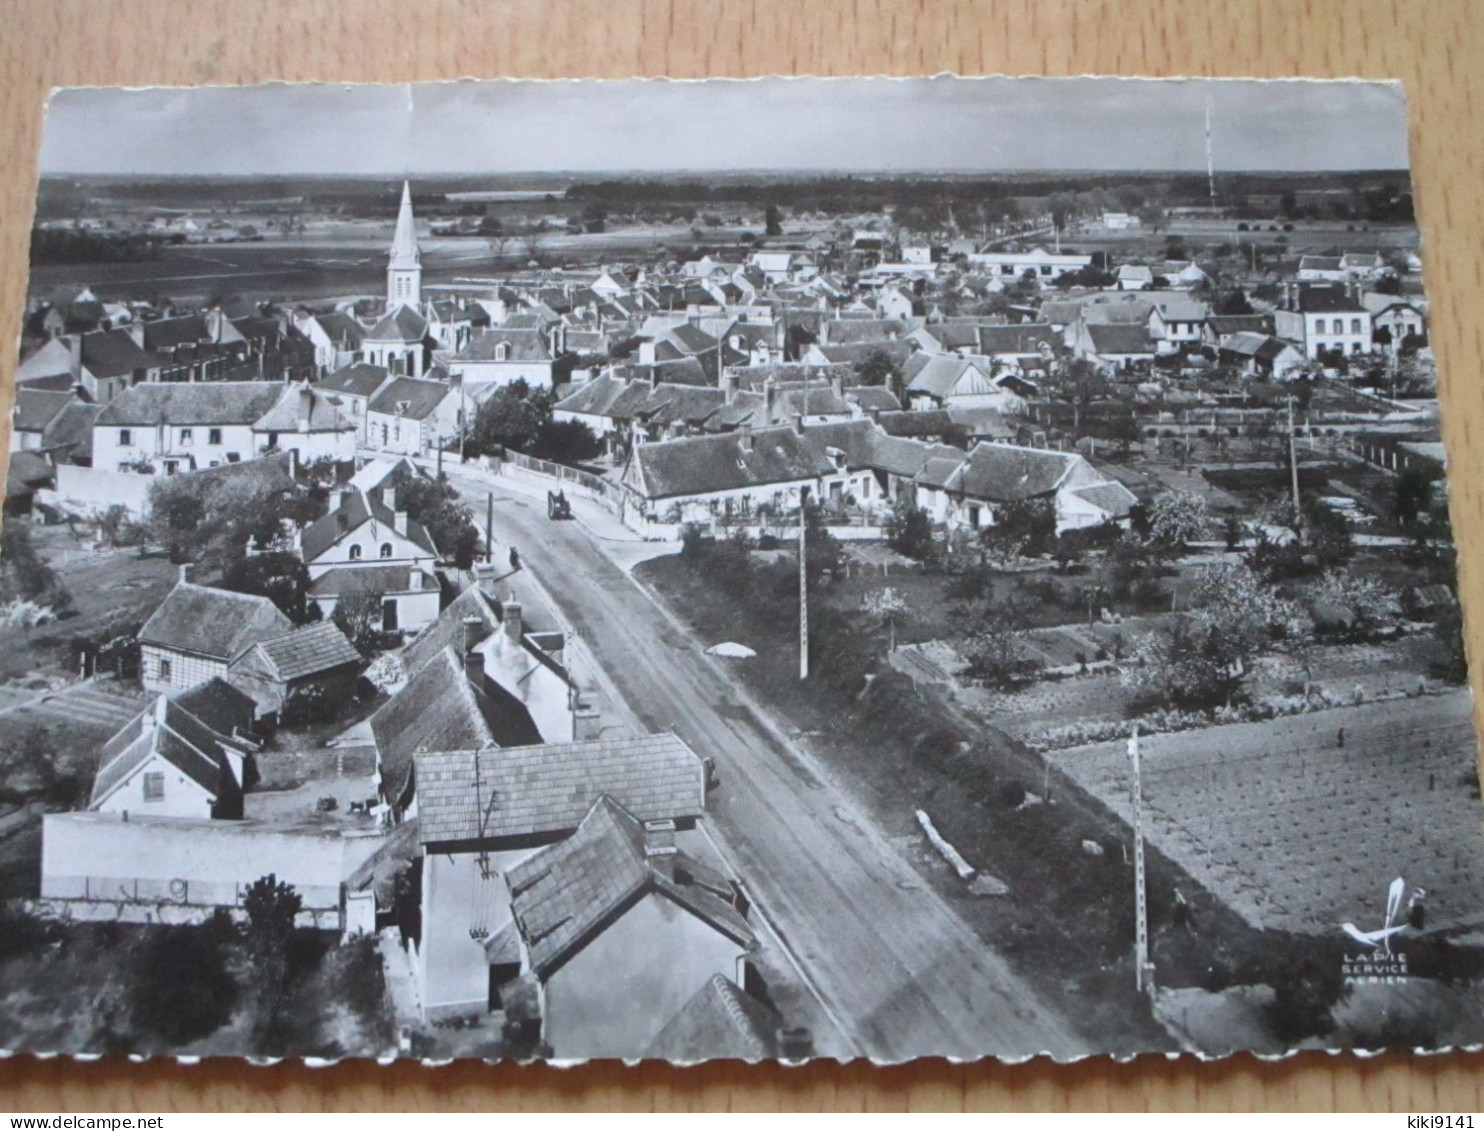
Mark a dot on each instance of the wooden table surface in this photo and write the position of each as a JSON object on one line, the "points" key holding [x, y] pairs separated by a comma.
{"points": [[1436, 47]]}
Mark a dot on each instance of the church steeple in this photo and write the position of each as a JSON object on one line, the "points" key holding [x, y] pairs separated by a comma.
{"points": [[404, 271]]}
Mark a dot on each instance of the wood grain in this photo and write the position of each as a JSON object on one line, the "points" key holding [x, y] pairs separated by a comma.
{"points": [[1436, 47]]}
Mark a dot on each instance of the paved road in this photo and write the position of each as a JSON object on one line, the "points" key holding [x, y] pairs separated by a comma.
{"points": [[904, 974]]}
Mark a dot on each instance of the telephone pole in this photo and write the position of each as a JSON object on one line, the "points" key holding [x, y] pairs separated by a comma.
{"points": [[1143, 968], [1293, 465], [803, 584]]}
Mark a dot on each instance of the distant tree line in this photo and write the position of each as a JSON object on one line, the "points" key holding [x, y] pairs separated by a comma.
{"points": [[63, 245]]}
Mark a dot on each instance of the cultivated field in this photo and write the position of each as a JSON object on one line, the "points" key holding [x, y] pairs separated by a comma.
{"points": [[1296, 832]]}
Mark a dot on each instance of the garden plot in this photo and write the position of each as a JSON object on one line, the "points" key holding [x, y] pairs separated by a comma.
{"points": [[1296, 832]]}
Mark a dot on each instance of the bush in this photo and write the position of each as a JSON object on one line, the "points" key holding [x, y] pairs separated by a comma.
{"points": [[181, 989]]}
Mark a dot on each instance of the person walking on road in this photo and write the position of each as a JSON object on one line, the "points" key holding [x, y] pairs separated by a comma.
{"points": [[514, 559]]}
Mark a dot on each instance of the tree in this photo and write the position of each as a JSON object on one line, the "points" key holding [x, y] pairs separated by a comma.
{"points": [[989, 639], [1078, 383], [1022, 528], [1412, 493], [909, 530], [567, 442], [513, 417], [359, 616], [774, 220], [435, 504], [1152, 216], [879, 368], [280, 576], [1232, 302], [272, 906], [24, 574], [1178, 518]]}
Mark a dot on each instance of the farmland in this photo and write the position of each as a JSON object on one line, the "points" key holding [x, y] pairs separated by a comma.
{"points": [[1295, 830]]}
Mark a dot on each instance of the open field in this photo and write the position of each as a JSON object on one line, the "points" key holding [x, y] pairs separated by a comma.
{"points": [[1297, 832]]}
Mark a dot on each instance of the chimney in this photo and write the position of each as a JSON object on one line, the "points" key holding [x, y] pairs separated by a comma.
{"points": [[474, 668], [587, 724], [838, 384], [770, 394], [74, 354], [399, 522], [180, 576], [646, 353], [659, 846], [389, 498], [306, 406], [729, 383], [799, 423], [510, 617], [876, 416], [293, 463], [744, 437], [414, 579], [471, 627], [654, 377]]}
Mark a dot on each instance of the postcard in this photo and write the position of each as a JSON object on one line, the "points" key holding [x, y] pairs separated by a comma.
{"points": [[772, 569]]}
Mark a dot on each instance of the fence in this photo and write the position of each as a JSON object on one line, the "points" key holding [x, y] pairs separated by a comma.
{"points": [[595, 487]]}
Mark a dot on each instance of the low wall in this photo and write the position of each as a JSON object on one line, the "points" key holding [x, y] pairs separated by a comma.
{"points": [[92, 490]]}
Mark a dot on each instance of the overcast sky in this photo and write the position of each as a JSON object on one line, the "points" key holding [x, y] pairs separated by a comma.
{"points": [[785, 124]]}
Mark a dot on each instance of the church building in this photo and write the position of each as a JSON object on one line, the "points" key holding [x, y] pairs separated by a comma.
{"points": [[400, 340]]}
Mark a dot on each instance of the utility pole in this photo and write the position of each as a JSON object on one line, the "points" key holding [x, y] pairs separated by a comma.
{"points": [[1143, 968], [489, 527], [803, 584], [1293, 465], [1210, 158]]}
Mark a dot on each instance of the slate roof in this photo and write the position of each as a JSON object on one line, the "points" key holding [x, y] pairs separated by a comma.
{"points": [[1262, 347], [854, 352], [1060, 312], [34, 409], [564, 896], [548, 789], [72, 428], [289, 411], [218, 705], [216, 402], [697, 465], [1181, 308], [522, 345], [27, 469], [310, 650], [1003, 473], [212, 622], [677, 370], [1024, 337], [341, 328], [401, 325], [1319, 263], [171, 333], [410, 397], [1120, 338], [844, 331], [113, 353], [1112, 497], [753, 376], [166, 728], [358, 509], [721, 1021], [360, 380], [954, 335], [981, 421]]}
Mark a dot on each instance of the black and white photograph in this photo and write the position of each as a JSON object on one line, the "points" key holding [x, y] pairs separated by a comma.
{"points": [[732, 569]]}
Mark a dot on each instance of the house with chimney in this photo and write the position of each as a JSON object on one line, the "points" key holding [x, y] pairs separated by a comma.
{"points": [[411, 417], [187, 754], [484, 813], [197, 633], [335, 337], [351, 388], [1324, 320], [311, 668], [501, 355], [937, 381], [103, 363], [365, 547]]}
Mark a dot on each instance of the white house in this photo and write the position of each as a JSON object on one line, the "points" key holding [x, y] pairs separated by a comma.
{"points": [[198, 632], [1325, 320], [408, 416], [1399, 317], [941, 380], [1046, 266], [361, 530], [500, 356]]}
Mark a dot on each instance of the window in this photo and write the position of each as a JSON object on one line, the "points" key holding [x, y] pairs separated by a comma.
{"points": [[355, 551], [386, 549], [126, 438], [164, 668], [214, 436], [172, 466], [397, 431], [502, 351], [186, 435], [154, 787], [1355, 325]]}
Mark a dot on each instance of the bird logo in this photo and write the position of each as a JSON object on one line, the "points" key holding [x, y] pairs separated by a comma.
{"points": [[1382, 937]]}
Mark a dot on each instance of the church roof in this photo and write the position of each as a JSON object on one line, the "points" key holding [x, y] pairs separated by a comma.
{"points": [[404, 241]]}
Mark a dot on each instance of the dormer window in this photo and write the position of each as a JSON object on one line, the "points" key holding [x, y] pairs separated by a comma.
{"points": [[502, 351], [355, 551]]}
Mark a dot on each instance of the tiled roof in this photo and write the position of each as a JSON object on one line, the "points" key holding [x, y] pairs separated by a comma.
{"points": [[450, 629], [310, 650], [219, 705], [168, 729], [1003, 473], [1263, 347], [380, 579], [1236, 323], [932, 423], [301, 404], [844, 331], [721, 1021], [72, 428], [401, 325], [872, 397], [1024, 337], [212, 622], [437, 709], [1327, 300], [36, 408], [358, 509], [1113, 498], [940, 374], [1120, 338], [341, 328], [113, 353], [520, 345], [702, 464], [1180, 308], [360, 380], [410, 397], [27, 467], [169, 333], [1319, 263], [981, 421], [562, 897], [549, 788], [216, 402]]}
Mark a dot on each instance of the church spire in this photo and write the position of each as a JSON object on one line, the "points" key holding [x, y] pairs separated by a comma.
{"points": [[404, 270]]}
